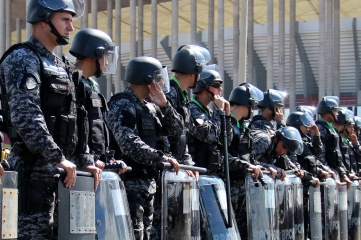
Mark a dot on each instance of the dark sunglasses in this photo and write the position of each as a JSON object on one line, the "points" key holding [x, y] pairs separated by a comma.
{"points": [[215, 85]]}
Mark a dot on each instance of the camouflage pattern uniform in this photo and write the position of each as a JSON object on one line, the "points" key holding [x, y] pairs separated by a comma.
{"points": [[35, 147], [351, 155], [261, 123], [122, 119]]}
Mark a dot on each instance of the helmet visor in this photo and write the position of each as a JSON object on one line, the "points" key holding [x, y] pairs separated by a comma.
{"points": [[307, 120], [310, 110], [161, 76], [255, 93], [111, 60], [292, 140], [207, 74], [278, 97], [201, 54], [73, 5], [332, 101]]}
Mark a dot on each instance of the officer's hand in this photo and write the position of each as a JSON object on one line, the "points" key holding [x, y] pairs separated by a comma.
{"points": [[314, 130], [97, 174], [174, 163], [196, 175], [352, 175], [273, 172], [347, 181], [281, 174], [300, 173], [124, 166], [219, 102], [227, 108], [70, 169], [316, 182], [156, 94], [324, 175], [256, 171], [353, 139], [100, 164], [278, 114], [333, 174], [1, 170]]}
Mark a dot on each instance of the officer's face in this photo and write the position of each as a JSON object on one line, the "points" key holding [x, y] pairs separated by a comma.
{"points": [[304, 129], [63, 22], [216, 88], [280, 148]]}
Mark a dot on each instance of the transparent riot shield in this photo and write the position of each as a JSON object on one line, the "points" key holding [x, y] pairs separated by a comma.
{"points": [[9, 205], [353, 216], [284, 206], [76, 208], [180, 206], [342, 194], [261, 209], [214, 209], [298, 215], [315, 213], [330, 210], [112, 209]]}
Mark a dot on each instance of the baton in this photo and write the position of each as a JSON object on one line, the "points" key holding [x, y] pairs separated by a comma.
{"points": [[259, 178], [168, 165], [116, 165]]}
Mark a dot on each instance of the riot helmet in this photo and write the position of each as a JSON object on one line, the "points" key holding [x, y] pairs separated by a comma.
{"points": [[291, 138], [246, 95], [190, 59], [357, 124], [208, 75], [307, 109], [327, 105], [298, 118], [345, 117], [96, 44], [272, 99], [41, 10], [144, 70]]}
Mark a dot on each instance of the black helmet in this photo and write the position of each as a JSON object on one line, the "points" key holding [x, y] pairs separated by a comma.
{"points": [[299, 118], [345, 117], [208, 75], [291, 138], [40, 10], [357, 123], [246, 94], [327, 104], [190, 59], [91, 43], [272, 99], [143, 70]]}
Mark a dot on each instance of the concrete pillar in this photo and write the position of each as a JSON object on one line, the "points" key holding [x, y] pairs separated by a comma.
{"points": [[250, 32], [94, 14], [174, 36], [194, 22], [28, 25], [281, 46], [8, 23], [211, 29], [336, 68], [118, 81], [109, 77], [243, 43], [292, 90], [18, 30], [140, 27], [84, 19], [270, 44], [236, 43], [132, 43], [154, 28], [321, 55], [329, 22], [2, 27], [221, 37]]}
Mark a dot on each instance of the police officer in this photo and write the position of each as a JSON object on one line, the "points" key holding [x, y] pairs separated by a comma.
{"points": [[40, 101], [205, 130], [137, 126], [331, 156], [358, 128], [349, 145], [242, 100], [271, 110], [187, 65], [95, 55]]}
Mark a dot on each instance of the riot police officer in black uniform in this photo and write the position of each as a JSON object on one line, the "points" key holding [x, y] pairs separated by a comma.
{"points": [[95, 55]]}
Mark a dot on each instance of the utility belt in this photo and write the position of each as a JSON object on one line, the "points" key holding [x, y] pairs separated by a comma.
{"points": [[178, 146]]}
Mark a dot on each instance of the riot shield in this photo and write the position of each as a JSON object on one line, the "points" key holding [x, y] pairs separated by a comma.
{"points": [[9, 205], [180, 206], [76, 209], [298, 215], [284, 206], [261, 209], [330, 210], [353, 216], [315, 213], [111, 209], [214, 209], [342, 194]]}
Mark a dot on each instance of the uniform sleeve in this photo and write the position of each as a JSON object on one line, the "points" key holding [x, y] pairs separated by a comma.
{"points": [[24, 103], [172, 120], [317, 146], [261, 143], [121, 120], [236, 164]]}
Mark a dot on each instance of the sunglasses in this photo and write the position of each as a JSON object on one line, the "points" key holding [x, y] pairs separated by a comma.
{"points": [[215, 85]]}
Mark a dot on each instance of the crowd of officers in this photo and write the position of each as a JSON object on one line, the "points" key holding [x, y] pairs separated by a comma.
{"points": [[55, 116]]}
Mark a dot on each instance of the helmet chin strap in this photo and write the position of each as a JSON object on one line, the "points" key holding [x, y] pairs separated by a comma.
{"points": [[61, 40], [249, 114], [195, 81], [98, 72]]}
